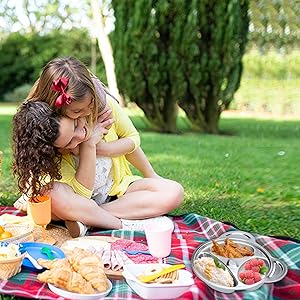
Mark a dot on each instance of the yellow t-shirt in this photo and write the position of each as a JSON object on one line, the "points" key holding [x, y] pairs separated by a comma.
{"points": [[122, 176]]}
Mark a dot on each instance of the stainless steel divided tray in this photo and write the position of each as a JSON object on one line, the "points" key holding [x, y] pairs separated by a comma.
{"points": [[228, 275]]}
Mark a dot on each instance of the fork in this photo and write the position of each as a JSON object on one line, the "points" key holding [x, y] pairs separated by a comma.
{"points": [[133, 252]]}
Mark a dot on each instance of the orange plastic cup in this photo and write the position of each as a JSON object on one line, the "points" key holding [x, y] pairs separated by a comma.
{"points": [[39, 209]]}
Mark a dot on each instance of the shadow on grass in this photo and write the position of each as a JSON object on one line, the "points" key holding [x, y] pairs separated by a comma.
{"points": [[247, 127]]}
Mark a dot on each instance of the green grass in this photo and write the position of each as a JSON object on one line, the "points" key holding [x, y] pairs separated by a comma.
{"points": [[249, 177]]}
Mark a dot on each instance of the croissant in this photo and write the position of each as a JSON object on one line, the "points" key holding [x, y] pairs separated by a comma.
{"points": [[66, 279], [56, 263], [91, 268]]}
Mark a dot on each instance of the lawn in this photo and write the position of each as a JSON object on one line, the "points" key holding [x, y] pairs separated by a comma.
{"points": [[248, 176]]}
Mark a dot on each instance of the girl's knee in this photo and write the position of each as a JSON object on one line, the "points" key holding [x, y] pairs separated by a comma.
{"points": [[59, 195], [174, 194], [178, 194]]}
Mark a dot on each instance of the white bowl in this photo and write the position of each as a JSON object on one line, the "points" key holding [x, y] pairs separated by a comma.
{"points": [[71, 295], [156, 290]]}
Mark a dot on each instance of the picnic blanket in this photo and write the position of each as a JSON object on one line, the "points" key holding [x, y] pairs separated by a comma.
{"points": [[190, 231]]}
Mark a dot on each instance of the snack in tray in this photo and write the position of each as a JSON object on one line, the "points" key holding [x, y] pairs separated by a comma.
{"points": [[54, 264], [112, 259], [66, 278], [90, 266], [82, 272], [9, 251], [10, 260], [112, 252], [169, 278], [214, 271], [4, 234], [230, 249], [115, 259], [253, 270], [121, 244]]}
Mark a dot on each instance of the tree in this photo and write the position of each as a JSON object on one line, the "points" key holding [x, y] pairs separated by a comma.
{"points": [[105, 49], [214, 40], [185, 52], [143, 53]]}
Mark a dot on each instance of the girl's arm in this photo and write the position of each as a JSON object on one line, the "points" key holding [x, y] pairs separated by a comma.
{"points": [[137, 158], [140, 161], [116, 148], [123, 137], [86, 171], [128, 143]]}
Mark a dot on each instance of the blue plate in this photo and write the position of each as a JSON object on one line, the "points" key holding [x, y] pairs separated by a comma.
{"points": [[34, 249]]}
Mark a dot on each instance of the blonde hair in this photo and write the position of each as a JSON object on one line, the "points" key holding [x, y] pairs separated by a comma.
{"points": [[80, 82]]}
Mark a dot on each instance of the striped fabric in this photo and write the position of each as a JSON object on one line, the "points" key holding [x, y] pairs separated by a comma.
{"points": [[190, 231]]}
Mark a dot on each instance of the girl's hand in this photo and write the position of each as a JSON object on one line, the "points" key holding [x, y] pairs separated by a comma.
{"points": [[105, 124], [105, 117], [96, 136]]}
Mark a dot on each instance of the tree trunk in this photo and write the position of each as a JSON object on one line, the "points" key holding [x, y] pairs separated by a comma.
{"points": [[170, 116], [212, 118], [93, 55], [106, 51]]}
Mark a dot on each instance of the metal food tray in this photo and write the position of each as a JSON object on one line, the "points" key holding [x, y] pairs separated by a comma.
{"points": [[276, 268]]}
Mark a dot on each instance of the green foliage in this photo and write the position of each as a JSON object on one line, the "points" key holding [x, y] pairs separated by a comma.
{"points": [[212, 49], [19, 93], [271, 65], [180, 51], [16, 68], [143, 54], [22, 57], [274, 24]]}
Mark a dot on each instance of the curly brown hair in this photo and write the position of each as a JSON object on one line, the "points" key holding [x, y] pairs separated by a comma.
{"points": [[36, 162]]}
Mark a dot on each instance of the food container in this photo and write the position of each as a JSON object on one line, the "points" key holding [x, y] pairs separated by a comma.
{"points": [[156, 290], [20, 233], [11, 265], [71, 295], [274, 269]]}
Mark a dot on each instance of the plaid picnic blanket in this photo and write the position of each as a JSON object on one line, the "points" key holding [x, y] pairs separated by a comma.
{"points": [[190, 231]]}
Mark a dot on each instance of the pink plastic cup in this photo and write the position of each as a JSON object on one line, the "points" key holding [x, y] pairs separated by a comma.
{"points": [[159, 238]]}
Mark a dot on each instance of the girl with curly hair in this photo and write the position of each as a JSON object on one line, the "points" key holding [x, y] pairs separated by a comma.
{"points": [[43, 142], [36, 159]]}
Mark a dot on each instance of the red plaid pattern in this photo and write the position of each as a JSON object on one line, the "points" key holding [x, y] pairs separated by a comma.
{"points": [[190, 231]]}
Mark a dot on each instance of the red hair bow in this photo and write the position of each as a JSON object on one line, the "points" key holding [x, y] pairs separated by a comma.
{"points": [[60, 85]]}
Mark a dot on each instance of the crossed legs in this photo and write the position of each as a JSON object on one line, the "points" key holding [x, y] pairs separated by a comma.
{"points": [[145, 198]]}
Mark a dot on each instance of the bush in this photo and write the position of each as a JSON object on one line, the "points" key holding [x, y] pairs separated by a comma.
{"points": [[22, 57], [272, 65], [18, 94], [276, 97]]}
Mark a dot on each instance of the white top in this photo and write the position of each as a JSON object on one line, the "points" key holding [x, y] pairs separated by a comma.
{"points": [[103, 178]]}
